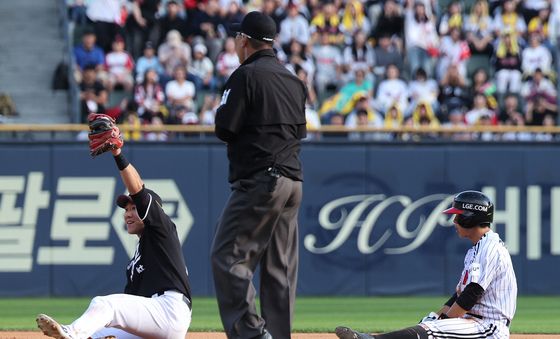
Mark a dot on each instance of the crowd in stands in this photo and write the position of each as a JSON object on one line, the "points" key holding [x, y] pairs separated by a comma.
{"points": [[366, 62]]}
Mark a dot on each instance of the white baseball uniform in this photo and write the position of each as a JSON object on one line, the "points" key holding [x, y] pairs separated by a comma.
{"points": [[488, 264]]}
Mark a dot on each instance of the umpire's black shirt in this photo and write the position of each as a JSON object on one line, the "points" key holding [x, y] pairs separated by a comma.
{"points": [[262, 117], [158, 264]]}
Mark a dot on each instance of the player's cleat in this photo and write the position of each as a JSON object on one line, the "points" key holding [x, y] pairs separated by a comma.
{"points": [[348, 333], [52, 328]]}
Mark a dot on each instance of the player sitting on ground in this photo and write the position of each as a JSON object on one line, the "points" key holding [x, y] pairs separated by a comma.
{"points": [[156, 301], [485, 298]]}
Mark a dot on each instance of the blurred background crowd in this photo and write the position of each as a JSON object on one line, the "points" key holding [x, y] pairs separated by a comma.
{"points": [[366, 62]]}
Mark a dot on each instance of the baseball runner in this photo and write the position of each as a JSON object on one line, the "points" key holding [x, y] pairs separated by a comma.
{"points": [[485, 298], [156, 302]]}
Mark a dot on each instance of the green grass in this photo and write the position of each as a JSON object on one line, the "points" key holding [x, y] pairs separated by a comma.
{"points": [[534, 314]]}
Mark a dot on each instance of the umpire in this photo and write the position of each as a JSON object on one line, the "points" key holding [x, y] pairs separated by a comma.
{"points": [[262, 119]]}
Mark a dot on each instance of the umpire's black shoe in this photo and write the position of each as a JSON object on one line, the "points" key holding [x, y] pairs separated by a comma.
{"points": [[348, 333], [264, 335]]}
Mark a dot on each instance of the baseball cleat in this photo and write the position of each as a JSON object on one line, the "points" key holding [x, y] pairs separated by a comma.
{"points": [[53, 329], [348, 333]]}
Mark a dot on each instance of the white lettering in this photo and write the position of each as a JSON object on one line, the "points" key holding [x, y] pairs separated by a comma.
{"points": [[510, 216], [67, 224], [555, 221], [534, 222], [18, 225]]}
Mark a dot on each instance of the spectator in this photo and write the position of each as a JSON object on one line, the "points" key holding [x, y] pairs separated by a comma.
{"points": [[391, 91], [227, 61], [484, 120], [423, 115], [453, 50], [423, 89], [172, 20], [344, 100], [298, 56], [141, 25], [93, 95], [210, 104], [88, 54], [362, 120], [202, 69], [549, 121], [510, 110], [206, 24], [538, 86], [293, 27], [394, 117], [354, 20], [327, 22], [180, 92], [479, 109], [478, 29], [358, 53], [532, 8], [302, 74], [421, 37], [538, 109], [174, 53], [451, 19], [390, 24], [453, 93], [372, 118], [77, 11], [182, 115], [481, 83], [149, 95], [157, 121], [132, 121], [509, 21], [328, 60], [119, 65], [456, 119], [148, 61], [540, 24], [507, 63], [385, 54], [234, 14], [536, 56], [516, 119], [107, 20]]}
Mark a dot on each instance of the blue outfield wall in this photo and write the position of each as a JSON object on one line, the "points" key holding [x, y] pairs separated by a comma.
{"points": [[370, 222]]}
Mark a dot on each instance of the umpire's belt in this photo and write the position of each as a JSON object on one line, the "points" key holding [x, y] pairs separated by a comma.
{"points": [[508, 322], [175, 293]]}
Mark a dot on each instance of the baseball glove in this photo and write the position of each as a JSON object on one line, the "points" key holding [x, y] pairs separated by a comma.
{"points": [[104, 135]]}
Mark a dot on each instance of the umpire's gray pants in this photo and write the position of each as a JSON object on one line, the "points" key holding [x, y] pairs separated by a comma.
{"points": [[257, 227]]}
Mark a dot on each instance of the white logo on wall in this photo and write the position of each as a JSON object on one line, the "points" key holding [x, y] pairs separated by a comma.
{"points": [[341, 217], [82, 215]]}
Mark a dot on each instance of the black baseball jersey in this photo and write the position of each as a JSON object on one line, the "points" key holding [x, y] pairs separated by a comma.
{"points": [[158, 263], [262, 117]]}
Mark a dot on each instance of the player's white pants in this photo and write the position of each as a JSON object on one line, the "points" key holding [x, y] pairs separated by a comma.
{"points": [[166, 316], [466, 328]]}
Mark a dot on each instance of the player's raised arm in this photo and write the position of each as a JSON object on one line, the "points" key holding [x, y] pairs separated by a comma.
{"points": [[104, 135]]}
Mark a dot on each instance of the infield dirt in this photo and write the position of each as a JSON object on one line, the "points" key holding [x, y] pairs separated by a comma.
{"points": [[217, 335]]}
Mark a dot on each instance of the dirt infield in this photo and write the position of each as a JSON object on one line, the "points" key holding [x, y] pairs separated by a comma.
{"points": [[216, 335]]}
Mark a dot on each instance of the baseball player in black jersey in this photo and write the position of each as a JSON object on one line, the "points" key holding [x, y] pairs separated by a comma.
{"points": [[157, 300], [262, 119], [484, 301]]}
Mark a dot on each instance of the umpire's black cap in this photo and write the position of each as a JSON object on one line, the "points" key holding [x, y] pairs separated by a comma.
{"points": [[256, 25], [123, 200]]}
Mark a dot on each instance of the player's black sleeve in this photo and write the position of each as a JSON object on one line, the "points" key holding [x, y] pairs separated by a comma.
{"points": [[150, 211], [470, 296]]}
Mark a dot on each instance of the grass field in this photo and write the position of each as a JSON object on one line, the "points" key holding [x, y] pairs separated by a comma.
{"points": [[534, 314]]}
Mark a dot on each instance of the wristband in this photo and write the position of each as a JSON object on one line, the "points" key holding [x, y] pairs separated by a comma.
{"points": [[121, 161]]}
